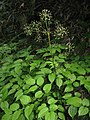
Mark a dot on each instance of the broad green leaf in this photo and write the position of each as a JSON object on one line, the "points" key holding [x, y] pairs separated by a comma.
{"points": [[81, 79], [43, 65], [18, 94], [26, 86], [61, 116], [7, 86], [14, 106], [59, 82], [16, 115], [72, 77], [85, 102], [14, 88], [22, 117], [32, 67], [66, 73], [67, 82], [88, 70], [25, 99], [77, 94], [47, 54], [75, 101], [42, 106], [53, 107], [81, 71], [46, 70], [4, 94], [61, 60], [61, 108], [60, 76], [67, 96], [68, 88], [33, 88], [18, 61], [83, 111], [76, 84], [8, 111], [87, 86], [4, 105], [72, 111], [40, 81], [38, 94], [51, 77], [53, 50], [50, 116], [7, 116], [52, 100], [32, 116], [42, 112], [28, 110], [18, 69], [47, 88], [67, 65], [30, 81]]}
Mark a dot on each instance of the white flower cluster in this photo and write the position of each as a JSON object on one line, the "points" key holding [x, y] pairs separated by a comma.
{"points": [[32, 28], [39, 30], [45, 15], [60, 31]]}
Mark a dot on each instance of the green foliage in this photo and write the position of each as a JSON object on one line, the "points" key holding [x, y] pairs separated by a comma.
{"points": [[43, 86]]}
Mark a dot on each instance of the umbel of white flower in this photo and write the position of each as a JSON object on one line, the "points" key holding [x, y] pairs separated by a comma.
{"points": [[41, 29]]}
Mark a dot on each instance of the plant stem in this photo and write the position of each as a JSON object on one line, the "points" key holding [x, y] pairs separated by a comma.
{"points": [[48, 33]]}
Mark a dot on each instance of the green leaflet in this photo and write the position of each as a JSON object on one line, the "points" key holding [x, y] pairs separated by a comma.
{"points": [[21, 117], [18, 94], [61, 116], [51, 101], [67, 96], [83, 111], [5, 116], [30, 81], [85, 102], [16, 115], [42, 112], [47, 88], [4, 105], [14, 88], [76, 84], [50, 116], [42, 106], [61, 108], [25, 99], [53, 107], [33, 88], [51, 77], [59, 82], [28, 110], [75, 101], [38, 94], [40, 80], [14, 106], [46, 70], [68, 88], [72, 111]]}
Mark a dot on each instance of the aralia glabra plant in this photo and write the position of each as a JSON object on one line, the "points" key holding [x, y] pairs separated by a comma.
{"points": [[44, 86]]}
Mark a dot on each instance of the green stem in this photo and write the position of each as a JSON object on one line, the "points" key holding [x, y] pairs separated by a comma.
{"points": [[48, 33]]}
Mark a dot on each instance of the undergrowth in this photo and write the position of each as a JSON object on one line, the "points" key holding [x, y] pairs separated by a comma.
{"points": [[48, 85]]}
